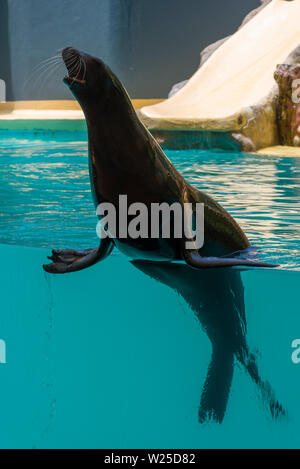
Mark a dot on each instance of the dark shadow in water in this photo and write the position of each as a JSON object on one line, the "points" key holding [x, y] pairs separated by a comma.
{"points": [[217, 298], [5, 63]]}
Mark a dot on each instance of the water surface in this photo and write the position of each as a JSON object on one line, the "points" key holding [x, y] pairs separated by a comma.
{"points": [[46, 200]]}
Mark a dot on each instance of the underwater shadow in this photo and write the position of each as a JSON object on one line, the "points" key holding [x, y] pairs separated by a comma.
{"points": [[217, 298]]}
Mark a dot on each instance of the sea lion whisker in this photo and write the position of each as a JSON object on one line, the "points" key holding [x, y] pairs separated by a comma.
{"points": [[70, 61], [40, 67], [82, 66], [39, 75], [69, 58], [71, 65], [53, 69], [46, 62], [44, 77], [79, 70], [73, 75], [72, 70], [47, 66], [77, 67], [48, 59], [84, 72]]}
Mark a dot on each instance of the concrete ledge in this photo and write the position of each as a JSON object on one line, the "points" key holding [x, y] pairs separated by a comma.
{"points": [[56, 105], [69, 107], [56, 115], [282, 151]]}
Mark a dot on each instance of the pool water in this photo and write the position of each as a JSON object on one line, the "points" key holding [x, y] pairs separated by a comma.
{"points": [[47, 202], [117, 355]]}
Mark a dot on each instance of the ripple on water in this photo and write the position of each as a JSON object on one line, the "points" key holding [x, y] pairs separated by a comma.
{"points": [[47, 202]]}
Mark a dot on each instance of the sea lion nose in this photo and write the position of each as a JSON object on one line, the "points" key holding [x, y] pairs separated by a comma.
{"points": [[69, 53], [70, 57]]}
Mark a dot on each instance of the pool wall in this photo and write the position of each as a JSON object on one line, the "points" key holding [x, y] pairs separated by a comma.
{"points": [[92, 362], [149, 45]]}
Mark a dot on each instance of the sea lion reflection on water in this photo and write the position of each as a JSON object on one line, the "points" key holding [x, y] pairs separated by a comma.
{"points": [[124, 158]]}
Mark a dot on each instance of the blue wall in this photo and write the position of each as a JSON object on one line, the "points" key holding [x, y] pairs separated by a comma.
{"points": [[150, 44]]}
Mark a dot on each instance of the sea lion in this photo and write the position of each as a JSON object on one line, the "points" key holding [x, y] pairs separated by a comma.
{"points": [[124, 158]]}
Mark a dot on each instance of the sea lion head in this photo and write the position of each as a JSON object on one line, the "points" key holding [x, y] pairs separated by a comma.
{"points": [[90, 80]]}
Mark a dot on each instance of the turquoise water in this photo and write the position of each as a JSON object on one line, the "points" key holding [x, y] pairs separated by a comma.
{"points": [[110, 357]]}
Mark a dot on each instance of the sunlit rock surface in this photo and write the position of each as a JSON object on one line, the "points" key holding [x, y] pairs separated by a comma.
{"points": [[209, 50], [288, 107]]}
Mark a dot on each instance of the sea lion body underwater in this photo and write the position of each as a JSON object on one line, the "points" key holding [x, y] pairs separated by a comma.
{"points": [[124, 158], [216, 296]]}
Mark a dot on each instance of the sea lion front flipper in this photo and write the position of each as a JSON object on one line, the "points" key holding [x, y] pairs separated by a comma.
{"points": [[70, 260], [194, 259], [68, 256]]}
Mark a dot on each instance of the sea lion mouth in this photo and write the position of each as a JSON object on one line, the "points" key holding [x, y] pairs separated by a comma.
{"points": [[76, 66]]}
